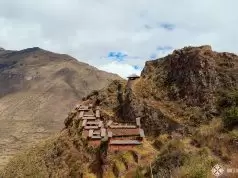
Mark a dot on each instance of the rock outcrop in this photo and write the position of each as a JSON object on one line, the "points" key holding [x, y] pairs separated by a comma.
{"points": [[193, 75]]}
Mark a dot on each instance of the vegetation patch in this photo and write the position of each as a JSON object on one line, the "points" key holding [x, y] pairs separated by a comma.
{"points": [[228, 105], [230, 117], [197, 166], [128, 157], [55, 157], [175, 160], [214, 137]]}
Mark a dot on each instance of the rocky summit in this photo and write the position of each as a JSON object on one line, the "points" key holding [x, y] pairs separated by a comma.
{"points": [[187, 103]]}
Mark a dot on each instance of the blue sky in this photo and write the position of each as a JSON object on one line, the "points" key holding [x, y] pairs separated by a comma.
{"points": [[115, 35], [167, 26], [117, 56]]}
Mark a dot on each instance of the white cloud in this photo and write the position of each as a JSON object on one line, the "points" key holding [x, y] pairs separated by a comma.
{"points": [[90, 29], [124, 70]]}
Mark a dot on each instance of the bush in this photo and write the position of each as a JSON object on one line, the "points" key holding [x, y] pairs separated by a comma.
{"points": [[169, 161], [172, 156], [227, 99], [228, 104], [197, 166], [230, 118]]}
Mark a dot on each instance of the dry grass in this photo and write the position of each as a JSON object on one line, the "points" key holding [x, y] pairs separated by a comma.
{"points": [[176, 158], [234, 133], [142, 88], [120, 162], [213, 137], [109, 174], [128, 157], [146, 150], [234, 164], [119, 166], [214, 127], [127, 163], [30, 162], [59, 156], [196, 166], [182, 158], [89, 175]]}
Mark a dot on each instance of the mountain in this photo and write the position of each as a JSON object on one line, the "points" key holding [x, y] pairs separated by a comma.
{"points": [[188, 104], [37, 89], [193, 75]]}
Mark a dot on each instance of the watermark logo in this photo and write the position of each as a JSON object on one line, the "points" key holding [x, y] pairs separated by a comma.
{"points": [[217, 170]]}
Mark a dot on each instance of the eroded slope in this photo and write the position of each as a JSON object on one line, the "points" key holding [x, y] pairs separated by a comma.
{"points": [[37, 89]]}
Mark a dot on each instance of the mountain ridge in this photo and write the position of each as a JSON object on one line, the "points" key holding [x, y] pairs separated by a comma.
{"points": [[37, 89]]}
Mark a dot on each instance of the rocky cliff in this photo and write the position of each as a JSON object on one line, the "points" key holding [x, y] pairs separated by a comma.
{"points": [[193, 75]]}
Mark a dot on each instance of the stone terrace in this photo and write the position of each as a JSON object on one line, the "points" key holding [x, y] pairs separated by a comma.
{"points": [[119, 136]]}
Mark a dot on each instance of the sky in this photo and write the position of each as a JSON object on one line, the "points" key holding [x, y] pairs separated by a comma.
{"points": [[118, 35]]}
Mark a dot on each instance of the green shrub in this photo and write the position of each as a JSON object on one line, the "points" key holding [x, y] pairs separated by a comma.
{"points": [[169, 161], [230, 117], [227, 99], [198, 165], [228, 105], [173, 145], [172, 156]]}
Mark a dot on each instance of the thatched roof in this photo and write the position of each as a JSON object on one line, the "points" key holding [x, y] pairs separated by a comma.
{"points": [[133, 76]]}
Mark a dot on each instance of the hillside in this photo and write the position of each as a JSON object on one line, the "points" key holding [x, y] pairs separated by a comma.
{"points": [[37, 89], [188, 105], [70, 154]]}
